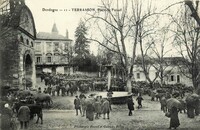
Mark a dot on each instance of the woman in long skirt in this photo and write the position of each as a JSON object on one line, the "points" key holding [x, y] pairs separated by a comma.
{"points": [[174, 121], [90, 112]]}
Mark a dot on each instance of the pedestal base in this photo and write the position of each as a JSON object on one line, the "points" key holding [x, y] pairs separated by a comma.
{"points": [[117, 97]]}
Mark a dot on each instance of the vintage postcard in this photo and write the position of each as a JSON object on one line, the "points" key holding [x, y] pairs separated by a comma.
{"points": [[99, 64]]}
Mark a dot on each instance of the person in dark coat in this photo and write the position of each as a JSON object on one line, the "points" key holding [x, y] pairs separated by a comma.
{"points": [[49, 90], [90, 111], [83, 103], [42, 76], [46, 80], [130, 104], [139, 100], [174, 120], [58, 90], [23, 116], [97, 107], [6, 117], [106, 108], [197, 107], [77, 104], [101, 103], [190, 110]]}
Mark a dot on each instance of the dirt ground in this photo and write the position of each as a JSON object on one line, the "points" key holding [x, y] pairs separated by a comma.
{"points": [[150, 117]]}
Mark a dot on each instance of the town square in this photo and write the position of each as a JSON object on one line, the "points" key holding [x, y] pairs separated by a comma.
{"points": [[99, 64]]}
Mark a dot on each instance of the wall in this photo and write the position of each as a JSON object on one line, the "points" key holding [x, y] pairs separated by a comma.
{"points": [[152, 74]]}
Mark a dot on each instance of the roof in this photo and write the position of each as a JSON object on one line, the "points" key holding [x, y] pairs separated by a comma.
{"points": [[14, 19], [51, 36], [169, 60]]}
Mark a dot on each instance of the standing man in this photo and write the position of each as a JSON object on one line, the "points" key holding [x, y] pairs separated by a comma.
{"points": [[77, 104], [106, 108], [139, 100], [97, 107], [42, 76], [130, 104], [24, 116], [83, 104]]}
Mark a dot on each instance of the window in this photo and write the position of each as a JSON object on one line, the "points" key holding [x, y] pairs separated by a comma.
{"points": [[172, 77], [49, 59], [27, 42], [138, 75], [32, 44], [38, 59], [49, 46], [21, 39], [38, 46], [178, 79], [56, 58], [56, 46], [66, 46]]}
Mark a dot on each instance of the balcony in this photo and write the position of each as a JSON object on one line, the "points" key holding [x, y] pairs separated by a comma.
{"points": [[39, 63]]}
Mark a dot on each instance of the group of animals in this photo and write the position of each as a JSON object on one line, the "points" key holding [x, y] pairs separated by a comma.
{"points": [[189, 103], [35, 101]]}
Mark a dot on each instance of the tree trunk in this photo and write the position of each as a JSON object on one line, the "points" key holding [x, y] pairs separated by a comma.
{"points": [[195, 84], [128, 84]]}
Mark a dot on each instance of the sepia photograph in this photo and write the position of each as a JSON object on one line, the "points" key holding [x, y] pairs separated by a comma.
{"points": [[99, 64]]}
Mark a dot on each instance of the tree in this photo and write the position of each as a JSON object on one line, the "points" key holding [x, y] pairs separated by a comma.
{"points": [[187, 40], [160, 48], [81, 43], [82, 57], [121, 25], [193, 9], [117, 26]]}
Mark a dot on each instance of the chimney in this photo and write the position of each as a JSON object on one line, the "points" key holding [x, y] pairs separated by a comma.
{"points": [[67, 34]]}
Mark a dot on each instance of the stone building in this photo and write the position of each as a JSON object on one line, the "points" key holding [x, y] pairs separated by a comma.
{"points": [[172, 73], [53, 52], [17, 35]]}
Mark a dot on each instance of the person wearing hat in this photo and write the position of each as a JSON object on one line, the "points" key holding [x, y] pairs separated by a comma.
{"points": [[106, 108], [7, 114], [77, 104], [23, 116], [130, 104]]}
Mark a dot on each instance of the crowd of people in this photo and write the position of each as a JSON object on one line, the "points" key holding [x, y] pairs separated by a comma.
{"points": [[92, 108], [63, 84]]}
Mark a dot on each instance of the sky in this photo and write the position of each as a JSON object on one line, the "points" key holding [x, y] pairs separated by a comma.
{"points": [[67, 17], [69, 20]]}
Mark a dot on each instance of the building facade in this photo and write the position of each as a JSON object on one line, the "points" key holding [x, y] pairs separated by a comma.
{"points": [[17, 64], [53, 52], [172, 73]]}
